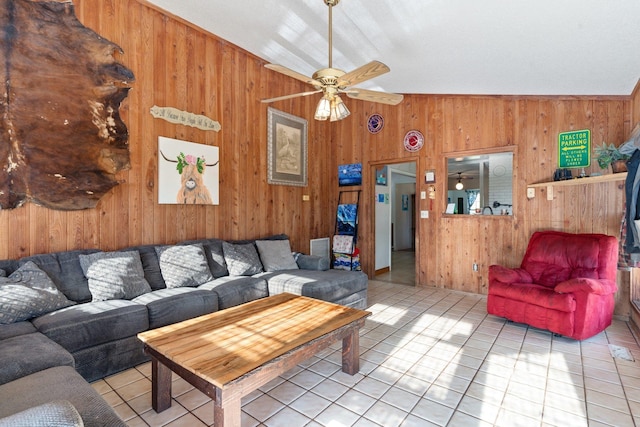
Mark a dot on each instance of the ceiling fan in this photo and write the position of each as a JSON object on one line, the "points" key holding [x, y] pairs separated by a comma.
{"points": [[459, 184], [332, 82]]}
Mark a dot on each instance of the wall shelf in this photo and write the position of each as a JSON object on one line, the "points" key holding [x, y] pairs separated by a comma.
{"points": [[612, 177]]}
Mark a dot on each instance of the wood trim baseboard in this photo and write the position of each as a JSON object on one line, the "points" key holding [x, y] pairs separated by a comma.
{"points": [[383, 270]]}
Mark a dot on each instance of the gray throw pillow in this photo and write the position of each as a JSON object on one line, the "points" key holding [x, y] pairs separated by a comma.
{"points": [[276, 255], [241, 259], [114, 275], [183, 265], [28, 292], [60, 413]]}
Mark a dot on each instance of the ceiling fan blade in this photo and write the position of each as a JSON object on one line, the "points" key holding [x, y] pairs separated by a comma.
{"points": [[366, 72], [295, 95], [374, 96], [288, 72]]}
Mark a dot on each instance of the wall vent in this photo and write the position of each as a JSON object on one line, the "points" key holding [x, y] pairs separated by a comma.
{"points": [[320, 247]]}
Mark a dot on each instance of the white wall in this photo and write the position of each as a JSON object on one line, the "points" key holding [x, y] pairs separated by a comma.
{"points": [[402, 220], [383, 226], [501, 182]]}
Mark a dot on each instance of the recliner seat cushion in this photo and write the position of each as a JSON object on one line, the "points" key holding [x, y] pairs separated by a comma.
{"points": [[90, 324], [535, 295]]}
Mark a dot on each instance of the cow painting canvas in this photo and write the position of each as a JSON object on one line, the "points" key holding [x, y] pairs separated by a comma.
{"points": [[188, 173]]}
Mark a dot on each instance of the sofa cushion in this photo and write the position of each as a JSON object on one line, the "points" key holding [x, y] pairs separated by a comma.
{"points": [[26, 354], [93, 323], [236, 290], [276, 255], [329, 285], [15, 329], [312, 262], [59, 383], [114, 275], [150, 265], [102, 360], [8, 266], [183, 265], [215, 257], [65, 271], [58, 413], [28, 292], [242, 259], [168, 306]]}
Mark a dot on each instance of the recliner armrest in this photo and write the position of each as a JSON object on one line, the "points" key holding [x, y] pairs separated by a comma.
{"points": [[509, 275], [582, 284]]}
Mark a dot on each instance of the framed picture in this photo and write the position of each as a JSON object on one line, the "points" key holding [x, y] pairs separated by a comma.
{"points": [[286, 149], [381, 175], [350, 174], [430, 176], [188, 173]]}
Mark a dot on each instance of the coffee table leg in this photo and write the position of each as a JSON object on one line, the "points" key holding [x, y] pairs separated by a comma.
{"points": [[226, 412], [351, 352], [160, 386]]}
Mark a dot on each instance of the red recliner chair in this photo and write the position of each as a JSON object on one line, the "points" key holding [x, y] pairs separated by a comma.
{"points": [[565, 284]]}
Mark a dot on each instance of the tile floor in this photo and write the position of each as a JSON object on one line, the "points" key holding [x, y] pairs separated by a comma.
{"points": [[429, 357], [403, 269]]}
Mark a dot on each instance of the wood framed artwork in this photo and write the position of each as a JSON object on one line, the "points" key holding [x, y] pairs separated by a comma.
{"points": [[188, 173], [286, 149]]}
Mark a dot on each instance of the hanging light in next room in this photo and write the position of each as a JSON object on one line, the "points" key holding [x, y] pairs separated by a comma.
{"points": [[459, 185]]}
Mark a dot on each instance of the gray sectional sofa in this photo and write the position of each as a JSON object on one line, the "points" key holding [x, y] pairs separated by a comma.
{"points": [[95, 303]]}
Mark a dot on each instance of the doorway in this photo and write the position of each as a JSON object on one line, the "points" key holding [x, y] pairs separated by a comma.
{"points": [[395, 223]]}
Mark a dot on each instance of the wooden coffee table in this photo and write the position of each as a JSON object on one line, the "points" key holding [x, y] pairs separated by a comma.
{"points": [[230, 353]]}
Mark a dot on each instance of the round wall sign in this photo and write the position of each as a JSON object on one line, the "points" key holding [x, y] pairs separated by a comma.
{"points": [[375, 123], [413, 141]]}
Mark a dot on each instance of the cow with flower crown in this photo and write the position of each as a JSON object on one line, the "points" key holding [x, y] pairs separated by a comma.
{"points": [[193, 190]]}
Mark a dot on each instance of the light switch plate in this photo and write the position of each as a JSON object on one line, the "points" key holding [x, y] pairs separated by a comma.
{"points": [[423, 195], [424, 214]]}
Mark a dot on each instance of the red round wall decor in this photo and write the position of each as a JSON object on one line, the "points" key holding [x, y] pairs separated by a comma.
{"points": [[413, 141]]}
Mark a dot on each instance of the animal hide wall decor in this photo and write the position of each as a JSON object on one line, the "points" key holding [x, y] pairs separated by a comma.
{"points": [[62, 139]]}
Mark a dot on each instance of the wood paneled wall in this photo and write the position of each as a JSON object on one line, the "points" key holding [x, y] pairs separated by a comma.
{"points": [[448, 245], [179, 65]]}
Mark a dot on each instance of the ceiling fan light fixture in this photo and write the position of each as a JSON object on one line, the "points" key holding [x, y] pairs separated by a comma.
{"points": [[323, 110], [459, 185], [339, 110]]}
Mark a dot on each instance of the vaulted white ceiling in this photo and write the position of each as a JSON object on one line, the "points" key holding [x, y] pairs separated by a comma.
{"points": [[495, 47]]}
